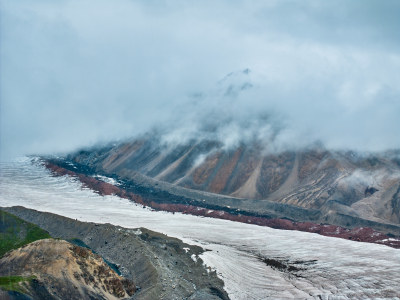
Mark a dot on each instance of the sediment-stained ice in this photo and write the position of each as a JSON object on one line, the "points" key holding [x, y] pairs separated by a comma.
{"points": [[255, 262]]}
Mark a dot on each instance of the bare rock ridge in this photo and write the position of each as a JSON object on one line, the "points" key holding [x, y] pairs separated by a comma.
{"points": [[33, 265], [60, 269], [159, 265], [359, 187]]}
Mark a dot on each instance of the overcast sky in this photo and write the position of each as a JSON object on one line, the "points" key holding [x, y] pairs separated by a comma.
{"points": [[74, 73]]}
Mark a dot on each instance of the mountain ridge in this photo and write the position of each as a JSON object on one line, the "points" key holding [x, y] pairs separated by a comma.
{"points": [[362, 186]]}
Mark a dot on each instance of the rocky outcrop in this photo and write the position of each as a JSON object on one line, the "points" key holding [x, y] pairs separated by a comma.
{"points": [[159, 265], [58, 269]]}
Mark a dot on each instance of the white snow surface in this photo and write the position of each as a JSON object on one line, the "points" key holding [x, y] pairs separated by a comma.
{"points": [[107, 179], [341, 269]]}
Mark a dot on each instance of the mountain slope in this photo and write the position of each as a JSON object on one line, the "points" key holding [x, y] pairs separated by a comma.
{"points": [[366, 186], [59, 270], [15, 233], [34, 266], [158, 264]]}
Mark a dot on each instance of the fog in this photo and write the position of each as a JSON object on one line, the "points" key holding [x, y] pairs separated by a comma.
{"points": [[289, 73]]}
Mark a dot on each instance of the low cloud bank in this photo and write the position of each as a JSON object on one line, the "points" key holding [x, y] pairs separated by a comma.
{"points": [[75, 73]]}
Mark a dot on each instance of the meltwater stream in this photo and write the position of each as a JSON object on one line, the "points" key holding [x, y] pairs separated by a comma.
{"points": [[332, 268]]}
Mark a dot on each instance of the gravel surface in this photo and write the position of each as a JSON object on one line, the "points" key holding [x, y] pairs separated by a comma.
{"points": [[162, 267]]}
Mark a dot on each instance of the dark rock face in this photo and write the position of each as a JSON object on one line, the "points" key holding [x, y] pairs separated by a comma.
{"points": [[370, 191]]}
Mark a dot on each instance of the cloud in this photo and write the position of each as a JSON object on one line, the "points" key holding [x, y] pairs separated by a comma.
{"points": [[74, 73]]}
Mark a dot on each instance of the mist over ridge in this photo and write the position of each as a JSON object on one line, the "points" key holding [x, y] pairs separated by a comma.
{"points": [[78, 73], [242, 109], [200, 149]]}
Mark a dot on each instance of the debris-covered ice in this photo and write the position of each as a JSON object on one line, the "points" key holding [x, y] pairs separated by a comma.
{"points": [[255, 262]]}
